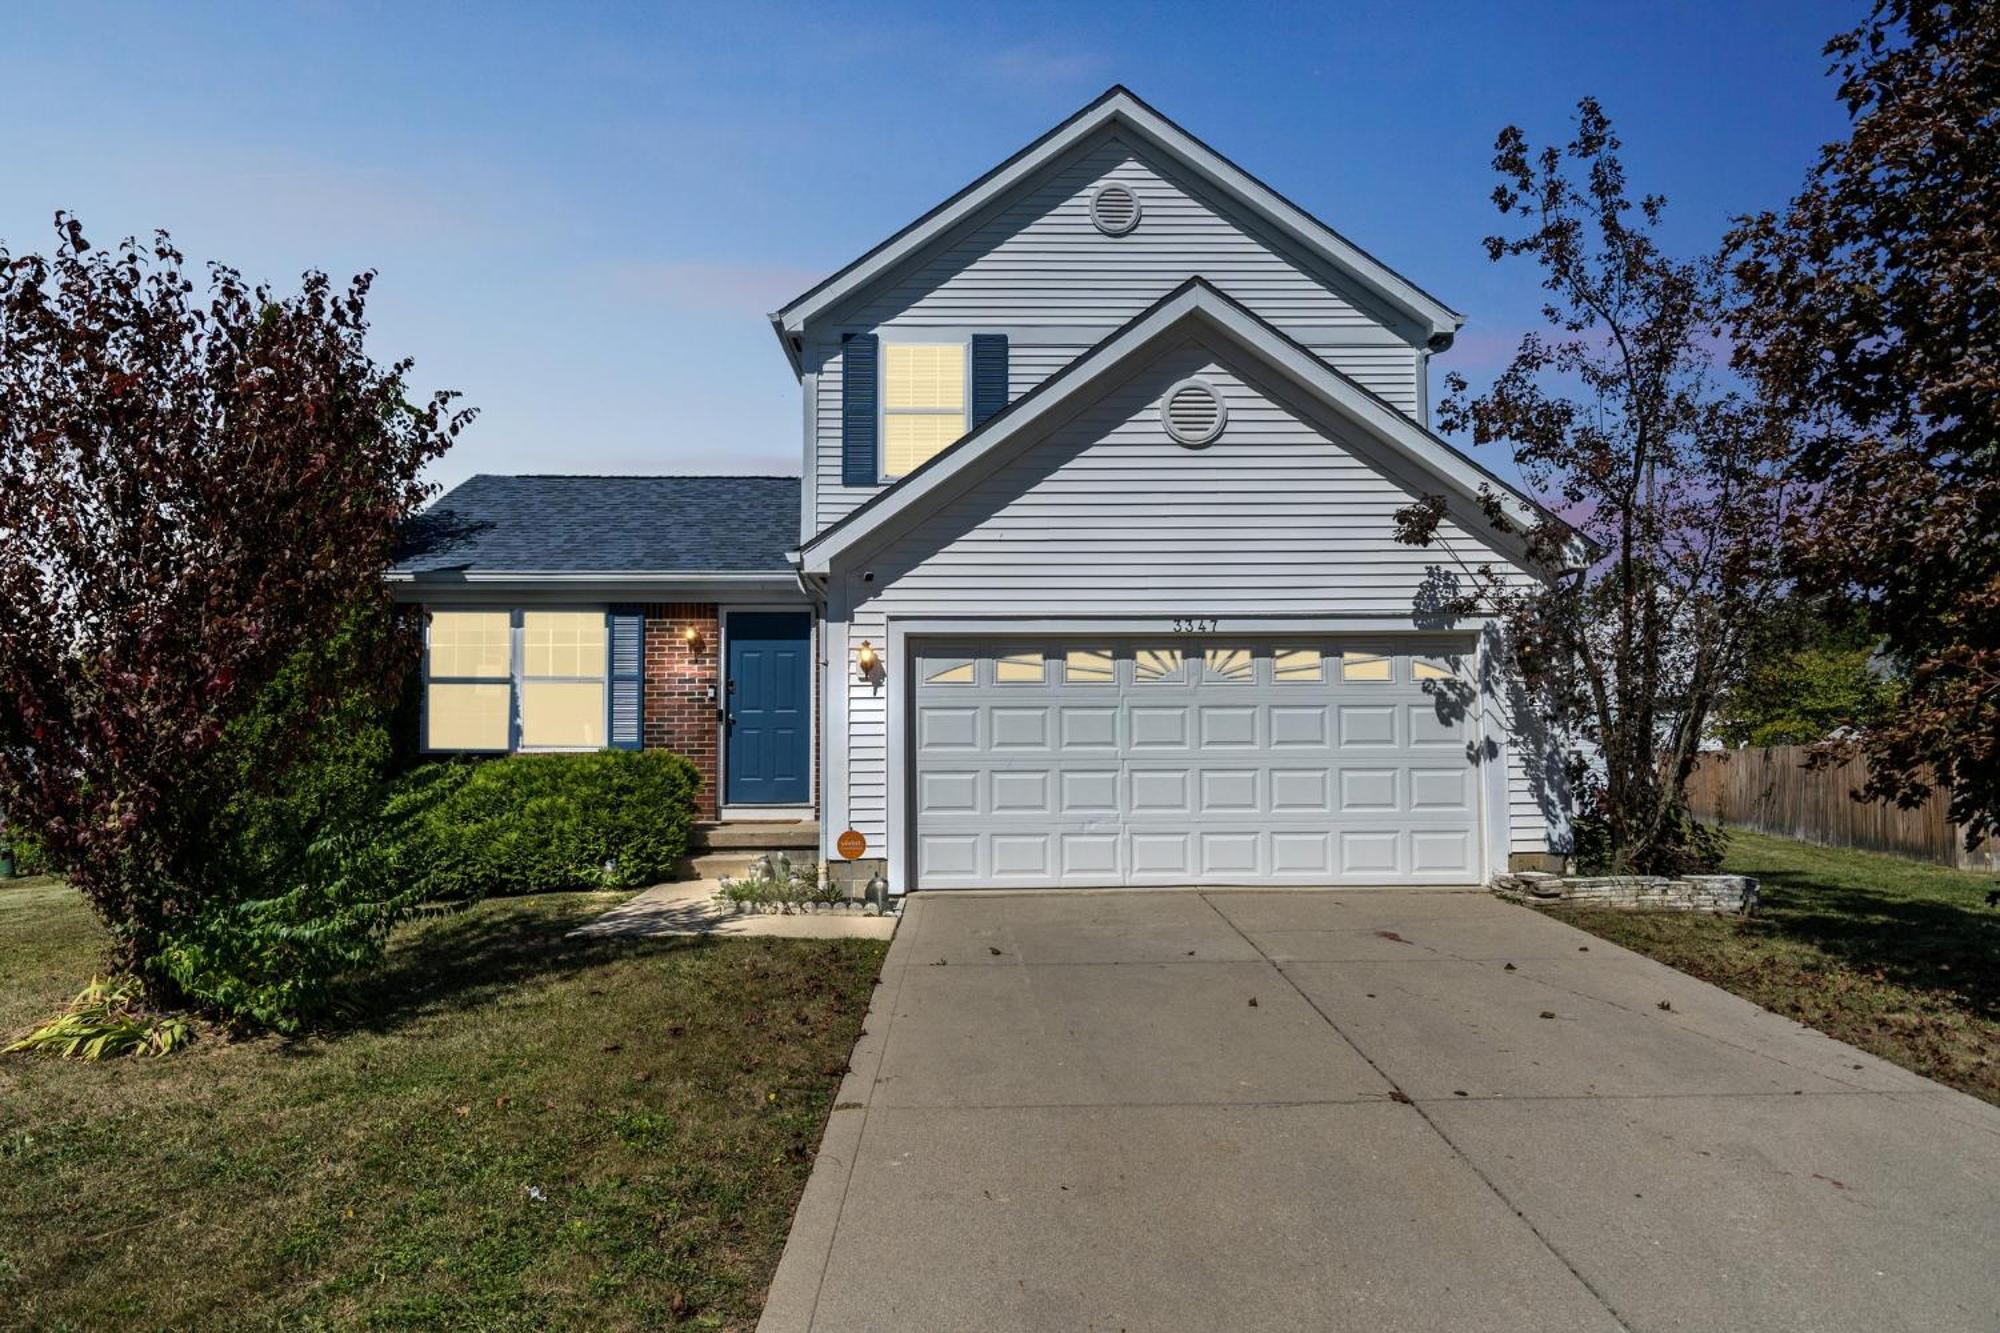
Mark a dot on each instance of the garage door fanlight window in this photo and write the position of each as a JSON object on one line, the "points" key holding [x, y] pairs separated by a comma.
{"points": [[1089, 666], [1297, 666], [1234, 665], [1367, 668], [1020, 669], [1153, 665]]}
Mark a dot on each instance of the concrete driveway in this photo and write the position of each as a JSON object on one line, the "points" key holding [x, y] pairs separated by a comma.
{"points": [[1370, 1111]]}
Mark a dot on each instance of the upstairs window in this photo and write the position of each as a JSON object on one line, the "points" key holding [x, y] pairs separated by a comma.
{"points": [[923, 403]]}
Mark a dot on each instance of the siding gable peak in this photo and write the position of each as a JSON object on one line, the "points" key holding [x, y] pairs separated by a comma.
{"points": [[1118, 112]]}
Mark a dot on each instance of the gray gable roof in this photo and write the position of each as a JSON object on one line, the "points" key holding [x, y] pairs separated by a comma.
{"points": [[605, 525]]}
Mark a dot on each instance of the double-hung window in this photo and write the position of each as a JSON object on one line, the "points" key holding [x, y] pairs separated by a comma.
{"points": [[923, 403], [515, 680], [562, 680], [469, 685]]}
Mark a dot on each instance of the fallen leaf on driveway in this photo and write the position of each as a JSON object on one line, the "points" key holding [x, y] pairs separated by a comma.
{"points": [[1391, 935]]}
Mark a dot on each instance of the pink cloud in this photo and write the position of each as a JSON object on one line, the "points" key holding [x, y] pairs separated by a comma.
{"points": [[713, 286]]}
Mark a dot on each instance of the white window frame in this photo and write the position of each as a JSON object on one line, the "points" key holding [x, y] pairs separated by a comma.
{"points": [[882, 409], [516, 676]]}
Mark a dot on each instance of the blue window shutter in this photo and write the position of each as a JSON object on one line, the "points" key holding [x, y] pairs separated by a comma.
{"points": [[858, 394], [626, 628], [989, 376]]}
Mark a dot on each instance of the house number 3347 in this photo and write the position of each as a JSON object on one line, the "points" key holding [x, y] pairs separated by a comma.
{"points": [[1194, 625]]}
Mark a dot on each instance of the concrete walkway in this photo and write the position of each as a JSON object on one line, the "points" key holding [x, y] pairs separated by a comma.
{"points": [[1369, 1111]]}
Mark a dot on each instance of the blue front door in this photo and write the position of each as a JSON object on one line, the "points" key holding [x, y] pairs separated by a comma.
{"points": [[768, 705]]}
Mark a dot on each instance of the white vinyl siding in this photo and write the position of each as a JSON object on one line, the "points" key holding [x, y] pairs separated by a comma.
{"points": [[1037, 258], [1037, 270], [1107, 517], [1393, 373]]}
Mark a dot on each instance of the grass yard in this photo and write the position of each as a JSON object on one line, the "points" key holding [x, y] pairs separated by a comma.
{"points": [[513, 1130], [1897, 957]]}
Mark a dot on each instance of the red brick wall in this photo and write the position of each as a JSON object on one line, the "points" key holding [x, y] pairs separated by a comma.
{"points": [[680, 714]]}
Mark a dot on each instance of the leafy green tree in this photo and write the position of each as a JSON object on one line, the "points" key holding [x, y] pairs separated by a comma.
{"points": [[1805, 679], [1869, 316]]}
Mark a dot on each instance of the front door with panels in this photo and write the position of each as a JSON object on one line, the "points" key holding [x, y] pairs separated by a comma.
{"points": [[1045, 764], [767, 708]]}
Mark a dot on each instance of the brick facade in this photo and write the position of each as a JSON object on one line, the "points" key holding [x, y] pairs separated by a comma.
{"points": [[680, 710]]}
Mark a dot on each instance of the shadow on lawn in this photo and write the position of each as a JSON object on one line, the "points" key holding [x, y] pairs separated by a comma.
{"points": [[1919, 943], [470, 959]]}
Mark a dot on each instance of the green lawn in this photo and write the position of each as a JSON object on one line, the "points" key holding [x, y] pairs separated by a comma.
{"points": [[512, 1130], [1897, 957]]}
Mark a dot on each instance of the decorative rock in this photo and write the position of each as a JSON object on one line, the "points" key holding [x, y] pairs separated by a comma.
{"points": [[1691, 893]]}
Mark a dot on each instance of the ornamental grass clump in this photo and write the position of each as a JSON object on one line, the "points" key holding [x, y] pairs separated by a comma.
{"points": [[108, 1018]]}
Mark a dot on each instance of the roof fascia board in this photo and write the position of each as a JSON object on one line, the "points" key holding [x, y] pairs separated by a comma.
{"points": [[1370, 412], [1118, 104], [623, 583]]}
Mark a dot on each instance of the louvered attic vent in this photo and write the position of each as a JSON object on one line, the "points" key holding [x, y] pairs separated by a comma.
{"points": [[1114, 209], [1193, 412]]}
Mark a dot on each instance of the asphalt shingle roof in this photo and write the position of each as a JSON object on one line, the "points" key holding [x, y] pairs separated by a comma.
{"points": [[608, 525]]}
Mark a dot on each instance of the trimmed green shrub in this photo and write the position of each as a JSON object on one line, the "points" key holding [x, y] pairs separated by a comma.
{"points": [[534, 823]]}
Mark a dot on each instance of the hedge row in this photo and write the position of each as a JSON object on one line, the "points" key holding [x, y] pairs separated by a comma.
{"points": [[535, 823]]}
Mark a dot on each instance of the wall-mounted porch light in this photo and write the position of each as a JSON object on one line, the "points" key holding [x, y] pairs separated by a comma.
{"points": [[692, 637], [867, 660]]}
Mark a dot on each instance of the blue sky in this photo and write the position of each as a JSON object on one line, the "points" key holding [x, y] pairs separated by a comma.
{"points": [[582, 212]]}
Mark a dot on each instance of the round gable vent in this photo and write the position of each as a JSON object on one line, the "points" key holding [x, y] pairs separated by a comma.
{"points": [[1114, 209], [1193, 412]]}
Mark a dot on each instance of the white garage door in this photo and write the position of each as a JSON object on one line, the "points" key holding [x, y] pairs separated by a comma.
{"points": [[1097, 763]]}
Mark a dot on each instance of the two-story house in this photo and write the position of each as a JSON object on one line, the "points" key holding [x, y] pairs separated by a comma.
{"points": [[1090, 576]]}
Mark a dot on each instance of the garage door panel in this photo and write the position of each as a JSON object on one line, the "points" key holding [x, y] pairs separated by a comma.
{"points": [[1018, 728], [949, 855], [1433, 789], [1437, 851], [1022, 855], [1367, 725], [1228, 728], [1091, 791], [1022, 792], [1229, 855], [1159, 727], [1160, 791], [1089, 729], [1302, 853], [947, 792], [1090, 857], [1136, 764], [940, 729], [1296, 791], [1428, 728], [1161, 855], [1367, 790], [1228, 791], [1370, 853], [1299, 726]]}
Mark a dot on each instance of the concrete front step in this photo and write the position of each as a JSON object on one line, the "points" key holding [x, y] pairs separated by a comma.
{"points": [[714, 865], [756, 837]]}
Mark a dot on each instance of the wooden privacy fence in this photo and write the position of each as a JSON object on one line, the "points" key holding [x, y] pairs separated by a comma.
{"points": [[1772, 791]]}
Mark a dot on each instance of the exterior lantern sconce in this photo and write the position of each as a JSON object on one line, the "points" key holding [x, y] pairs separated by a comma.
{"points": [[867, 660], [692, 637]]}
